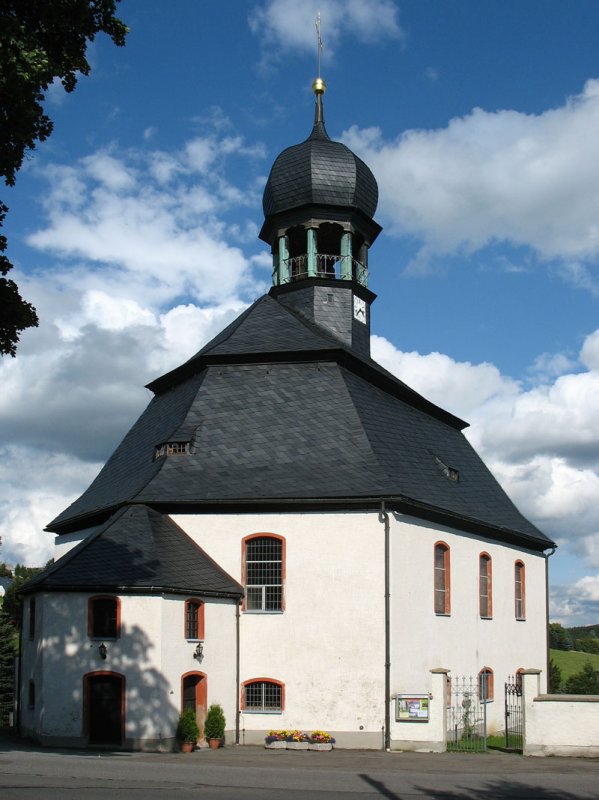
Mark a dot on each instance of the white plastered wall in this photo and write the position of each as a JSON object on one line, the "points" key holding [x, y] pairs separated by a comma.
{"points": [[461, 642], [151, 652]]}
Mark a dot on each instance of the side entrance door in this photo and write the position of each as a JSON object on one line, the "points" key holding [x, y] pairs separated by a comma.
{"points": [[194, 697], [105, 708]]}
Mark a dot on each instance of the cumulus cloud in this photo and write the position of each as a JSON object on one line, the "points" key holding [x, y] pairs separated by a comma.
{"points": [[141, 274], [289, 24], [495, 176]]}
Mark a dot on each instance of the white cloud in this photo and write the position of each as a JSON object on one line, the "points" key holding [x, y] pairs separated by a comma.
{"points": [[490, 177], [287, 24]]}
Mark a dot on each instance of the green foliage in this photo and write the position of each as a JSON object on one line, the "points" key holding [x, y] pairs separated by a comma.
{"points": [[13, 601], [584, 682], [214, 727], [187, 729], [40, 41], [5, 572], [555, 678], [559, 637], [587, 644], [7, 654]]}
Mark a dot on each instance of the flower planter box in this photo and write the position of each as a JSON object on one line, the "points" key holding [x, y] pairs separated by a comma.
{"points": [[276, 745], [320, 746], [297, 745]]}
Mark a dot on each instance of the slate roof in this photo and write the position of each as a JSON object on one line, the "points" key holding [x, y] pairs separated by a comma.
{"points": [[137, 549], [318, 172], [276, 411]]}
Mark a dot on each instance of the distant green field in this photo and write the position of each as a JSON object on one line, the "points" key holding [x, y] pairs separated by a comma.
{"points": [[572, 661]]}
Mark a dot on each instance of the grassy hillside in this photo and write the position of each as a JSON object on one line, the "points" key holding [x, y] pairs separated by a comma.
{"points": [[572, 661]]}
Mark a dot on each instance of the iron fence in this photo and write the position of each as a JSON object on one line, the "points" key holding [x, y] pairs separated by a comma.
{"points": [[514, 718], [467, 714]]}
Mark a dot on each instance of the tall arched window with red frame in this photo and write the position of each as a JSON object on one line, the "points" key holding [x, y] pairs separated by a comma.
{"points": [[442, 579], [485, 585], [263, 572], [194, 619], [486, 685], [520, 590]]}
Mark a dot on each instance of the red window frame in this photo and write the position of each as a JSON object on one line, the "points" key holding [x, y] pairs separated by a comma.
{"points": [[520, 590], [486, 675], [485, 582], [191, 621], [92, 631], [442, 579], [244, 570], [243, 704]]}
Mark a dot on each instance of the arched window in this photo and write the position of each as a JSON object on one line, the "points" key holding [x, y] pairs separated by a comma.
{"points": [[263, 572], [104, 617], [485, 596], [263, 695], [520, 590], [486, 685], [194, 619], [31, 695], [442, 579]]}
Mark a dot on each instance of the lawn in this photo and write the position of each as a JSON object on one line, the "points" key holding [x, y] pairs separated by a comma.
{"points": [[572, 661]]}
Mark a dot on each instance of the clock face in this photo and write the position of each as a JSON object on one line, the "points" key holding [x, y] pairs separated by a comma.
{"points": [[359, 309]]}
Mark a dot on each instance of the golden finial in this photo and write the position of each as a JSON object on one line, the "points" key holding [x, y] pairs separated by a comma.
{"points": [[319, 86]]}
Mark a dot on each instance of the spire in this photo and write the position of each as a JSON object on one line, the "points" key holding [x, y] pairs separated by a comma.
{"points": [[319, 87]]}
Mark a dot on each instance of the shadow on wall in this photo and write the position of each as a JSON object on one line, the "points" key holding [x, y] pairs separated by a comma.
{"points": [[151, 703]]}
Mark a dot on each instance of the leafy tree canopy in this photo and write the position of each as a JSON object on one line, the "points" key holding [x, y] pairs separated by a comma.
{"points": [[584, 682], [40, 41], [13, 601]]}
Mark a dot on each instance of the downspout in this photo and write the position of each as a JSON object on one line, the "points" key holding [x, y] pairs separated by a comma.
{"points": [[547, 557], [237, 711], [384, 519]]}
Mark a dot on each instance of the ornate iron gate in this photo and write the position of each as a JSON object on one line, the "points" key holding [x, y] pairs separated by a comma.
{"points": [[514, 720], [467, 714]]}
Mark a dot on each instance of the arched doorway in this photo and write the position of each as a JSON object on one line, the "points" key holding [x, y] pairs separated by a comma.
{"points": [[194, 695], [104, 707]]}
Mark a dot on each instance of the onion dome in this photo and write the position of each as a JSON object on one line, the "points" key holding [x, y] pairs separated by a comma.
{"points": [[319, 172]]}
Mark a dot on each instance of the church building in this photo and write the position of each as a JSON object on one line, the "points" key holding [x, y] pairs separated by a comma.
{"points": [[288, 529]]}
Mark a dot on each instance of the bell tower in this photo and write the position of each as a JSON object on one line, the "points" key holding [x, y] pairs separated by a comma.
{"points": [[319, 204]]}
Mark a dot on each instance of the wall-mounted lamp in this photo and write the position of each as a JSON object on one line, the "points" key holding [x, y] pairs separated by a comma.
{"points": [[103, 650], [199, 652]]}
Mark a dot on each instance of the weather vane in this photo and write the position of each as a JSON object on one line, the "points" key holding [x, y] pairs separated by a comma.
{"points": [[318, 41]]}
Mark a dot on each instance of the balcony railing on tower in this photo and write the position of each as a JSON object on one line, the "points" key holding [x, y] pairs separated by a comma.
{"points": [[323, 265]]}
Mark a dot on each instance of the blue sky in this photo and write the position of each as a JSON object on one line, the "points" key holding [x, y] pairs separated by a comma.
{"points": [[134, 232]]}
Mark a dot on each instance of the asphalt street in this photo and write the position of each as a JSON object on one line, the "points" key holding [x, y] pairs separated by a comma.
{"points": [[252, 773]]}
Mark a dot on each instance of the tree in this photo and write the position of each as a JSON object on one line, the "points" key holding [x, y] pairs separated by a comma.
{"points": [[13, 601], [555, 678], [584, 682], [7, 673], [40, 41], [559, 637]]}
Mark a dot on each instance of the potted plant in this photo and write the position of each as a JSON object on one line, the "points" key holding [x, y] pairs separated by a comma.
{"points": [[321, 740], [276, 740], [214, 726], [187, 730], [297, 740]]}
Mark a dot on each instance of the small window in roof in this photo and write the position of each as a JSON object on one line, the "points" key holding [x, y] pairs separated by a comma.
{"points": [[451, 473], [171, 449]]}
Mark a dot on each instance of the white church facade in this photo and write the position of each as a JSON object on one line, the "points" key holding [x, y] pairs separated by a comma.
{"points": [[288, 529]]}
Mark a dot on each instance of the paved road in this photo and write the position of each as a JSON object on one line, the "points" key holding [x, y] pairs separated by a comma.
{"points": [[252, 773]]}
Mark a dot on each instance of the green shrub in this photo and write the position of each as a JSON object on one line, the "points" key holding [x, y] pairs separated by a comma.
{"points": [[187, 729], [214, 727]]}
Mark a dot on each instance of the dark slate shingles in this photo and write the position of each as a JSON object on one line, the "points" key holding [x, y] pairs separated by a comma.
{"points": [[140, 549]]}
